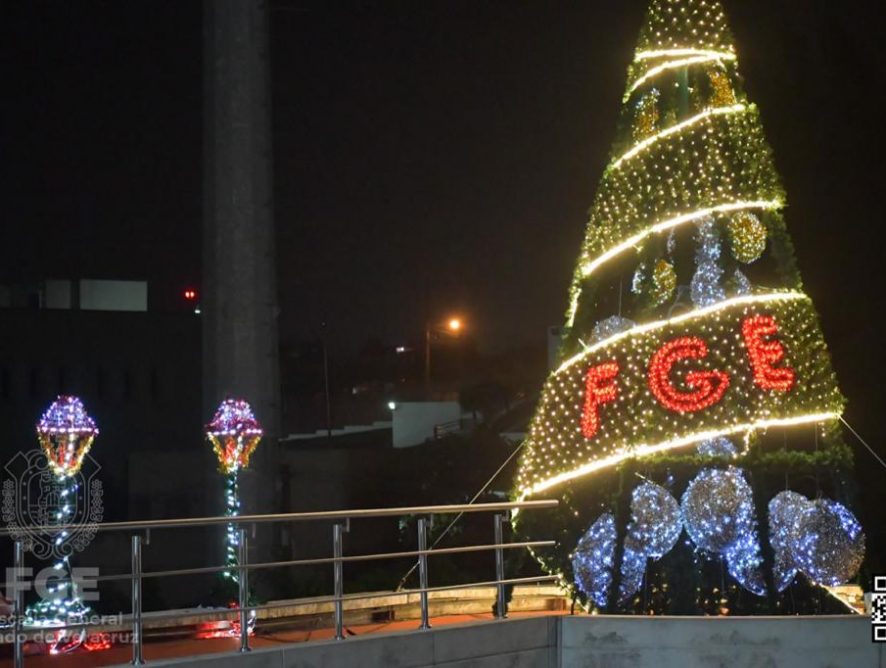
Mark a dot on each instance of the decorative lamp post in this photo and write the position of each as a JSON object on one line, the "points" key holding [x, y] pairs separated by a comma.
{"points": [[235, 434], [66, 433]]}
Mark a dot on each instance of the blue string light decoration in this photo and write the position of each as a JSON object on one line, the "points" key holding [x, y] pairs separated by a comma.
{"points": [[633, 569], [713, 505], [831, 544], [785, 511], [706, 288], [742, 283], [593, 558], [744, 560], [718, 511], [654, 529], [609, 327], [717, 447]]}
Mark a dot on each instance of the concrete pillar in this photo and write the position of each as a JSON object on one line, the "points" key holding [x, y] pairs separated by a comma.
{"points": [[239, 300]]}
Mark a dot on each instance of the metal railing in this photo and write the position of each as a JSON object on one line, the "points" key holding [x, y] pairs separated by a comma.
{"points": [[341, 519]]}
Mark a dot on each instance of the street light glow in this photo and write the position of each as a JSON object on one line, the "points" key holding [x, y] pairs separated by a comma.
{"points": [[455, 324]]}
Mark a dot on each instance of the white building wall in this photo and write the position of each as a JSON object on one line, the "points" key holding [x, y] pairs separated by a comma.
{"points": [[414, 422]]}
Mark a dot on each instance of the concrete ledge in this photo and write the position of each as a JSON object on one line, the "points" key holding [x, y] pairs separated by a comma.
{"points": [[587, 642], [519, 643], [696, 642]]}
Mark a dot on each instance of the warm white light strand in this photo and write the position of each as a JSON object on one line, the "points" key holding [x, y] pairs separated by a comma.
{"points": [[680, 53], [683, 441], [589, 268], [707, 113], [670, 65], [683, 317]]}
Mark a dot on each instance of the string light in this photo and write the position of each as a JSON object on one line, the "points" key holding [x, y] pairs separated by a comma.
{"points": [[656, 522], [742, 284], [610, 327], [723, 93], [785, 511], [706, 288], [65, 433], [718, 447], [709, 386], [645, 450], [647, 118], [593, 558], [764, 355], [747, 236], [671, 65], [737, 360], [831, 544], [664, 281], [679, 127], [601, 389], [697, 314], [640, 56], [234, 434], [670, 223]]}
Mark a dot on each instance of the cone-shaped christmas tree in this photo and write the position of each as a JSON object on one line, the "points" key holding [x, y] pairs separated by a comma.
{"points": [[693, 360]]}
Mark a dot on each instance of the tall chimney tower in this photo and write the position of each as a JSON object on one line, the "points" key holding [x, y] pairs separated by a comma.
{"points": [[239, 304]]}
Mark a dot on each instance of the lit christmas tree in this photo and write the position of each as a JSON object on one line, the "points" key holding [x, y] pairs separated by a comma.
{"points": [[695, 385]]}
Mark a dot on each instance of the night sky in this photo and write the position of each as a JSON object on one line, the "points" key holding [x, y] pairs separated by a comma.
{"points": [[442, 148]]}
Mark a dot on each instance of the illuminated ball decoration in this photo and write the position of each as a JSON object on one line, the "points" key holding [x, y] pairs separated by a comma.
{"points": [[716, 356], [785, 512], [66, 432], [610, 327], [653, 531], [656, 522], [234, 433], [593, 558], [830, 547], [664, 281], [633, 569], [717, 505], [744, 561], [717, 447], [747, 236]]}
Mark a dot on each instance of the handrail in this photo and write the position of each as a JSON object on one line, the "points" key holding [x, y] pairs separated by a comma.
{"points": [[341, 519], [138, 525]]}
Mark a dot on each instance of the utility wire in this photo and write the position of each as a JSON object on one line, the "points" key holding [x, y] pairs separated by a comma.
{"points": [[458, 517], [863, 442]]}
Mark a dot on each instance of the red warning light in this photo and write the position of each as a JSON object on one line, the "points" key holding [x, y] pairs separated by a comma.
{"points": [[190, 294]]}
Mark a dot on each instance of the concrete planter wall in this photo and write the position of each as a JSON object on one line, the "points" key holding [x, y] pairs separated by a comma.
{"points": [[589, 642]]}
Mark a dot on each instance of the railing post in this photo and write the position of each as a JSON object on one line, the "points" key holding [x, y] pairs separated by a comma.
{"points": [[137, 658], [338, 531], [18, 567], [500, 609], [423, 571], [243, 588]]}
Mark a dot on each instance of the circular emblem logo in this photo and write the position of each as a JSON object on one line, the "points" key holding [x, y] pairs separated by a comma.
{"points": [[54, 516]]}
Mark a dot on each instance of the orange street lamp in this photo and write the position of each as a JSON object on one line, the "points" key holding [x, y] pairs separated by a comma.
{"points": [[452, 327]]}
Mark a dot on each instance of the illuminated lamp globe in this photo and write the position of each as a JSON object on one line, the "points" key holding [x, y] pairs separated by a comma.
{"points": [[235, 434], [66, 432]]}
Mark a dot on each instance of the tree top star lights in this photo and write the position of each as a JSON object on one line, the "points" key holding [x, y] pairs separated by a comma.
{"points": [[686, 244]]}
